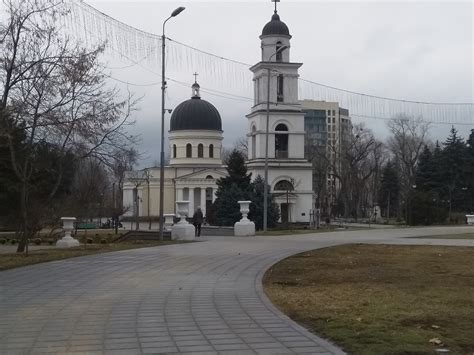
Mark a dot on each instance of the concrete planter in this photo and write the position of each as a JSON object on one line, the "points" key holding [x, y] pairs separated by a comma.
{"points": [[245, 227], [67, 241]]}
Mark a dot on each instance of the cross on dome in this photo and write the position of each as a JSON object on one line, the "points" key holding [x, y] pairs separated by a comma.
{"points": [[275, 1], [195, 88]]}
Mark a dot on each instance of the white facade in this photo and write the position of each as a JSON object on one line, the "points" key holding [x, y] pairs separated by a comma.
{"points": [[289, 174]]}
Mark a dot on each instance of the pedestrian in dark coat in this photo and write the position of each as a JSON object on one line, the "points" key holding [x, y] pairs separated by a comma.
{"points": [[198, 218]]}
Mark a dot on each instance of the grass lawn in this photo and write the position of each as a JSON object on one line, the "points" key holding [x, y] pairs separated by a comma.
{"points": [[381, 299], [449, 236], [13, 260]]}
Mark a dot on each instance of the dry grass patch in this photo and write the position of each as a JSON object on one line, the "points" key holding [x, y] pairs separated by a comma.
{"points": [[13, 260], [381, 299]]}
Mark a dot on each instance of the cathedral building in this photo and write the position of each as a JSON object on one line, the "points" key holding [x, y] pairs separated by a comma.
{"points": [[195, 145], [195, 139]]}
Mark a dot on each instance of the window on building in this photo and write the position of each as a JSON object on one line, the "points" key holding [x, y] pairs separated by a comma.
{"points": [[280, 88], [174, 150], [278, 56], [334, 112], [189, 150], [281, 141], [200, 151], [283, 185], [329, 112], [209, 177], [211, 150]]}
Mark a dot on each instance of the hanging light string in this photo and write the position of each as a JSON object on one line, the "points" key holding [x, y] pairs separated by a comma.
{"points": [[135, 45]]}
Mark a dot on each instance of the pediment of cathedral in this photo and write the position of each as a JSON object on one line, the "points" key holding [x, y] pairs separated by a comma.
{"points": [[203, 174]]}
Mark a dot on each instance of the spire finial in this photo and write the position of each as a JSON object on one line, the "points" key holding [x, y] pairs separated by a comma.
{"points": [[275, 1], [195, 87]]}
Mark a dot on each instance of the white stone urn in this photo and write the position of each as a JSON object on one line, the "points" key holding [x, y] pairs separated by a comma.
{"points": [[182, 210], [244, 227], [470, 219], [169, 217], [67, 241], [244, 209], [182, 230]]}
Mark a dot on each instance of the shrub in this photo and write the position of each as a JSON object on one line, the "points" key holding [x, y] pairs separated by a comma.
{"points": [[38, 241], [13, 241], [89, 240], [3, 241], [50, 242], [103, 241]]}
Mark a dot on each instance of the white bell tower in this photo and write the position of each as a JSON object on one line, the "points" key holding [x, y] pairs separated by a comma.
{"points": [[276, 90]]}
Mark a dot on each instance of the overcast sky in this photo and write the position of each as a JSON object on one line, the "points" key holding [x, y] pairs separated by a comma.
{"points": [[415, 50]]}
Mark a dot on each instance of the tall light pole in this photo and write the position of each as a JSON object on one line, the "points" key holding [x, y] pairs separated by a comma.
{"points": [[265, 186], [176, 12]]}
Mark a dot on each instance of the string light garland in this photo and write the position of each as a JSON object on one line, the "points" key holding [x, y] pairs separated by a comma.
{"points": [[126, 42]]}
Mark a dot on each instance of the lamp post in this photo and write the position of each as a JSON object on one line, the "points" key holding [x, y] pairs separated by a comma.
{"points": [[265, 186], [176, 12]]}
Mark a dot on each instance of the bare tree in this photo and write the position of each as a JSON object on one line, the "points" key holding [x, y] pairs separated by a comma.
{"points": [[409, 136], [57, 94]]}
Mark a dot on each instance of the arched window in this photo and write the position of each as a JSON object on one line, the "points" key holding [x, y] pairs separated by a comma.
{"points": [[280, 88], [281, 141], [174, 150], [211, 150], [189, 150], [209, 177], [278, 53], [254, 142], [200, 151], [283, 185]]}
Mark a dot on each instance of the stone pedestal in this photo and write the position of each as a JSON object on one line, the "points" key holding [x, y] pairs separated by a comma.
{"points": [[470, 219], [244, 227], [182, 230], [67, 241]]}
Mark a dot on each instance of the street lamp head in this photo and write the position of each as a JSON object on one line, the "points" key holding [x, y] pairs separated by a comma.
{"points": [[177, 11]]}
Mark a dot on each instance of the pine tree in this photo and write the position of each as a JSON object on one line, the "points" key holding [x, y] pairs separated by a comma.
{"points": [[230, 189], [256, 207], [453, 170], [425, 171], [389, 189]]}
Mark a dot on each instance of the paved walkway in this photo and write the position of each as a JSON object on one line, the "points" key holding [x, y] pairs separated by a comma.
{"points": [[200, 298]]}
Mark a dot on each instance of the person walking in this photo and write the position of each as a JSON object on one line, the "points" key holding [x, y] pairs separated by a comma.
{"points": [[197, 221]]}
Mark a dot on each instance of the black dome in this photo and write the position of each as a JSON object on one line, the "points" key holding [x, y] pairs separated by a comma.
{"points": [[275, 27], [195, 114]]}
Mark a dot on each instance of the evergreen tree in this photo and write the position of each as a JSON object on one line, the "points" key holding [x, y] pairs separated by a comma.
{"points": [[453, 171], [256, 207], [389, 190], [425, 171], [469, 187], [230, 189]]}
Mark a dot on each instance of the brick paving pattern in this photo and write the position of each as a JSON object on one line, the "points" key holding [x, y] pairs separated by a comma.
{"points": [[199, 298]]}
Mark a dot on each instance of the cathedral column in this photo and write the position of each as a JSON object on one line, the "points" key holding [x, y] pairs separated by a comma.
{"points": [[203, 200], [191, 201]]}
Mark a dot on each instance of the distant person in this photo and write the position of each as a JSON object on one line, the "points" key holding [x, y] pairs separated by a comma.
{"points": [[198, 218]]}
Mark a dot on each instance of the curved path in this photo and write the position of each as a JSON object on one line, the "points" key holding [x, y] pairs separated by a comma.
{"points": [[191, 298]]}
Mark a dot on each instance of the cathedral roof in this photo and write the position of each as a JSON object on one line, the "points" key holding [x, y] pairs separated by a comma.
{"points": [[275, 27], [195, 113]]}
